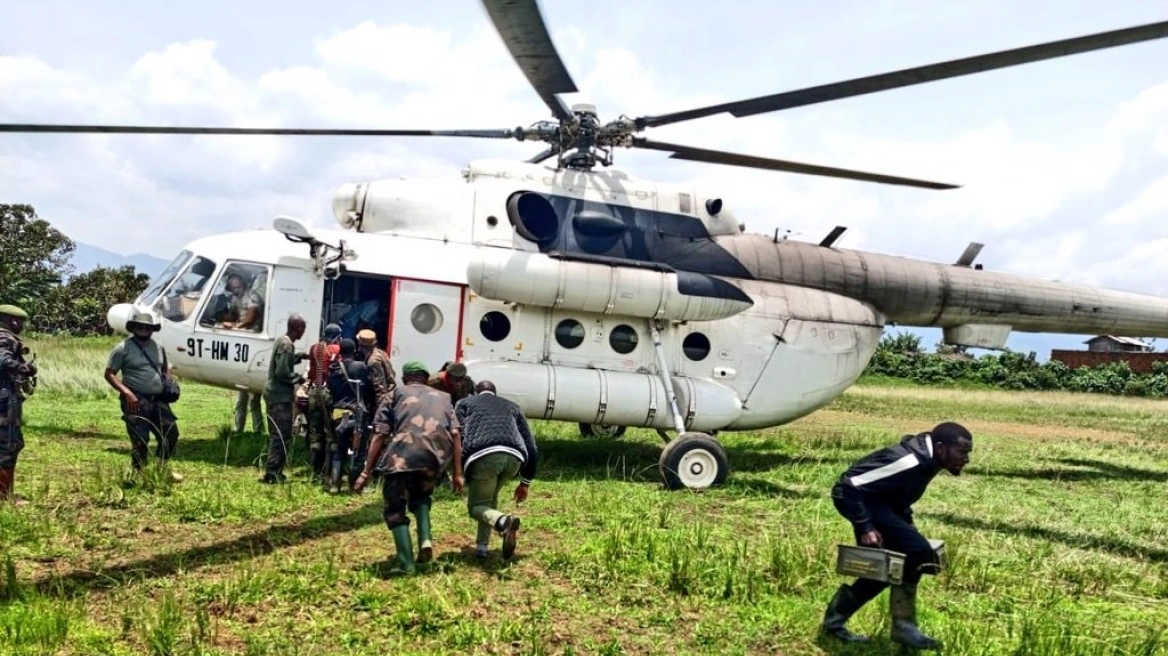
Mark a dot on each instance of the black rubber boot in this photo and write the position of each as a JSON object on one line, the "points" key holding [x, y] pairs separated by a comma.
{"points": [[902, 601], [841, 607], [335, 478]]}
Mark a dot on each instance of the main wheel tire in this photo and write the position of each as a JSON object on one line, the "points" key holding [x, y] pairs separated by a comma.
{"points": [[602, 431], [695, 461]]}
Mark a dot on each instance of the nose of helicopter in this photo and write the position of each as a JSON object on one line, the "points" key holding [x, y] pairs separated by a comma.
{"points": [[118, 315]]}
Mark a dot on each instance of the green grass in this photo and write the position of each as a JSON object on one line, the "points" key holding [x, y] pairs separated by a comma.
{"points": [[1056, 537]]}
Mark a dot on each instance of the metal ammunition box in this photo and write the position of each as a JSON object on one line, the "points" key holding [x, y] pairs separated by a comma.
{"points": [[870, 563]]}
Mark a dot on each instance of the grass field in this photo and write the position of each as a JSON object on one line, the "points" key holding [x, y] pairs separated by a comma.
{"points": [[1056, 534]]}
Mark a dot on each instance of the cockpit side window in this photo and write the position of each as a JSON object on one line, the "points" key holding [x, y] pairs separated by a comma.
{"points": [[165, 278], [183, 296], [240, 298]]}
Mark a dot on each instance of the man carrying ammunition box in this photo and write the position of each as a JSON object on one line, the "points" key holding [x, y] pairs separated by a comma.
{"points": [[876, 495]]}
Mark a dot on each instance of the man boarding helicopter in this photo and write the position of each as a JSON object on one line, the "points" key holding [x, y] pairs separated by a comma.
{"points": [[591, 296]]}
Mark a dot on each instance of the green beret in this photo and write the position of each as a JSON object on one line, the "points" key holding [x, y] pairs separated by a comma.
{"points": [[414, 367], [13, 311]]}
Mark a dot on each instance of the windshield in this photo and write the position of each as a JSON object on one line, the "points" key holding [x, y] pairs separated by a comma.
{"points": [[164, 278], [182, 297]]}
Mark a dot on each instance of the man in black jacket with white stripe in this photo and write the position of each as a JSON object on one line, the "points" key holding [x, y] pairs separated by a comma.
{"points": [[497, 444], [876, 495]]}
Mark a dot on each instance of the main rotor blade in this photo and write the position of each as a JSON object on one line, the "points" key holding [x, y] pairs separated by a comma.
{"points": [[140, 129], [734, 159], [525, 34], [919, 75]]}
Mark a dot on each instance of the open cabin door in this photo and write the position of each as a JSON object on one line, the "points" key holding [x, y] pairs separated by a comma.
{"points": [[425, 323]]}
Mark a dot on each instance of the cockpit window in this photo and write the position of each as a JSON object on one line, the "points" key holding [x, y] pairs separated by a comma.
{"points": [[240, 298], [183, 296], [158, 284]]}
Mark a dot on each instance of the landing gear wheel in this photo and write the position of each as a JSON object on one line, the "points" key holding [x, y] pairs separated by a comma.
{"points": [[602, 431], [695, 461]]}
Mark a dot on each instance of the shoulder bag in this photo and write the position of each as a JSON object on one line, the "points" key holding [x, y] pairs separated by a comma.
{"points": [[170, 387]]}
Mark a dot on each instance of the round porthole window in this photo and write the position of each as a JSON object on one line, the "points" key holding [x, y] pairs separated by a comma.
{"points": [[426, 318], [623, 339], [696, 346], [569, 333], [495, 326]]}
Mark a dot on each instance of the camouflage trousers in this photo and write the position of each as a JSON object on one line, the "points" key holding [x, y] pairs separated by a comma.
{"points": [[321, 433], [279, 437], [152, 418], [406, 490], [11, 444], [11, 437]]}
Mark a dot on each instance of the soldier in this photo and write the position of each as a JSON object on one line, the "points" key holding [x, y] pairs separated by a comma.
{"points": [[497, 445], [279, 393], [381, 373], [876, 495], [421, 437], [14, 371], [453, 380], [142, 364], [320, 419], [350, 390]]}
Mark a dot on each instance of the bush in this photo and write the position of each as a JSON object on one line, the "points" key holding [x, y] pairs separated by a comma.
{"points": [[899, 356]]}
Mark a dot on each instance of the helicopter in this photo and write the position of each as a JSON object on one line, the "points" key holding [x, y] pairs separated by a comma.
{"points": [[592, 296]]}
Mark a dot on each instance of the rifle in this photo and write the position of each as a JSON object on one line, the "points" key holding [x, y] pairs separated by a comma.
{"points": [[26, 385]]}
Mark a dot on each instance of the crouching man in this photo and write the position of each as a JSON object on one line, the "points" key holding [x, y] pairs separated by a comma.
{"points": [[415, 437], [497, 445], [876, 495]]}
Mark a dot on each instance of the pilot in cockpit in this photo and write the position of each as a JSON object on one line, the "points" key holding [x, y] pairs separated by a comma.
{"points": [[244, 306]]}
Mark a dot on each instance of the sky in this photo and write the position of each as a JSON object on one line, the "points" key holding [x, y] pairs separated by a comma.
{"points": [[1063, 163]]}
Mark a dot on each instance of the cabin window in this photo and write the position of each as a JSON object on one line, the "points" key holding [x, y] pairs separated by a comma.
{"points": [[240, 298], [696, 346], [495, 326], [426, 318], [623, 339], [180, 301], [569, 333]]}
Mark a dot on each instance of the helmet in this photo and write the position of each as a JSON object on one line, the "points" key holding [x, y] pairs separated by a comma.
{"points": [[331, 332]]}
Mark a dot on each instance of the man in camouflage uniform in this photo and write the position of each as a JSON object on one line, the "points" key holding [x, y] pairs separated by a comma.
{"points": [[321, 356], [14, 374], [383, 380], [453, 380], [421, 438], [381, 374], [279, 394]]}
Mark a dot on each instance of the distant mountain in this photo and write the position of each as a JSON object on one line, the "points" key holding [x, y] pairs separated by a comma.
{"points": [[87, 258]]}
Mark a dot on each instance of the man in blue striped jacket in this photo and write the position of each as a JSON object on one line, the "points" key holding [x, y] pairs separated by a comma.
{"points": [[876, 495], [497, 444]]}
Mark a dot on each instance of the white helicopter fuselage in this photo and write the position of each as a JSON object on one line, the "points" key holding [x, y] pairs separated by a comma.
{"points": [[766, 330]]}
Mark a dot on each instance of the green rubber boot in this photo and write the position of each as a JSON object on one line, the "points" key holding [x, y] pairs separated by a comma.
{"points": [[903, 602], [405, 550], [425, 545]]}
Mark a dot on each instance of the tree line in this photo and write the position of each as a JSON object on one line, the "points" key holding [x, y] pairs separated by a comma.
{"points": [[37, 275], [901, 356]]}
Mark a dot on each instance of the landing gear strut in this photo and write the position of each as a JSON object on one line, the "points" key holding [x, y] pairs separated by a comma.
{"points": [[690, 460]]}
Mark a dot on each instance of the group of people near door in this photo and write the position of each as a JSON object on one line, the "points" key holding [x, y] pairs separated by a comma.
{"points": [[363, 422]]}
